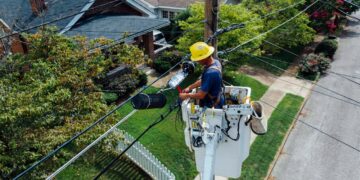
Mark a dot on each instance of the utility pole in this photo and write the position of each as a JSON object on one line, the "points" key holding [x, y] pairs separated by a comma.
{"points": [[211, 21]]}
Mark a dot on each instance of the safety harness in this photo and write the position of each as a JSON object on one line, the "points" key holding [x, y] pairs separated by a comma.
{"points": [[215, 99]]}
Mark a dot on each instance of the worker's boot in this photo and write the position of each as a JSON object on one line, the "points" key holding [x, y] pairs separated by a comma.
{"points": [[255, 121]]}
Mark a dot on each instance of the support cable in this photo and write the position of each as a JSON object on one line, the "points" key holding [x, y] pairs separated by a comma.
{"points": [[313, 90], [328, 89], [331, 72], [156, 122], [313, 127], [56, 20], [341, 11], [52, 153], [309, 125], [267, 32], [351, 3]]}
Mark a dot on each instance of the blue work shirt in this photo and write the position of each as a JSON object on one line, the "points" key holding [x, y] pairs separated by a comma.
{"points": [[211, 83]]}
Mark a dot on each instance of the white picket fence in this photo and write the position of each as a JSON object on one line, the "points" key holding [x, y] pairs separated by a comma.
{"points": [[144, 159]]}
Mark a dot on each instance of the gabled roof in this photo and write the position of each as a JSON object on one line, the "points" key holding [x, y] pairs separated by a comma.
{"points": [[116, 27], [172, 3], [18, 14], [178, 4]]}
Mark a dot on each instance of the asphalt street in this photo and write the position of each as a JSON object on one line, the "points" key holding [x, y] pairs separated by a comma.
{"points": [[325, 143]]}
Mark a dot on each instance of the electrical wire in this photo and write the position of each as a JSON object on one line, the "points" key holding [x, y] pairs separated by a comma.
{"points": [[309, 125], [83, 151], [271, 30], [313, 90], [275, 12], [156, 122], [351, 3], [52, 153], [331, 72], [57, 19], [286, 71], [347, 75], [313, 127], [344, 13]]}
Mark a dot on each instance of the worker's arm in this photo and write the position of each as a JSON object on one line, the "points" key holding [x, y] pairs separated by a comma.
{"points": [[193, 86], [199, 95]]}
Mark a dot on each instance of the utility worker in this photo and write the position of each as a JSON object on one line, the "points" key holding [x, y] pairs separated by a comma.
{"points": [[210, 93]]}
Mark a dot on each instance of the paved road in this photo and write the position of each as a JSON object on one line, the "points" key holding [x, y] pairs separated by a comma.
{"points": [[333, 153]]}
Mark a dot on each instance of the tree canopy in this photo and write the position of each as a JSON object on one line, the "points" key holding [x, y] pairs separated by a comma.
{"points": [[49, 94], [229, 14]]}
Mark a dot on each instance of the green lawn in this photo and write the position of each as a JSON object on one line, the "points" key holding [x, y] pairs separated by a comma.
{"points": [[264, 148], [166, 141], [238, 79], [281, 60]]}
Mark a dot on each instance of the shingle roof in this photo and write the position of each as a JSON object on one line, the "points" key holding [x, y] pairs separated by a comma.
{"points": [[18, 15], [174, 3], [115, 27]]}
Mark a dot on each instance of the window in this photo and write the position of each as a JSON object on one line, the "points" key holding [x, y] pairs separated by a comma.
{"points": [[165, 14], [171, 15]]}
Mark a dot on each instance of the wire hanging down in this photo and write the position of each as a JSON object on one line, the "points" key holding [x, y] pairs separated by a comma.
{"points": [[52, 153]]}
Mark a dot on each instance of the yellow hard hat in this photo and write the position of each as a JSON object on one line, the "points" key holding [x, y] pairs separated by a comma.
{"points": [[200, 51]]}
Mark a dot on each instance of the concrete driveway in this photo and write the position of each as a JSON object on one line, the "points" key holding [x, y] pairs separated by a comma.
{"points": [[325, 143]]}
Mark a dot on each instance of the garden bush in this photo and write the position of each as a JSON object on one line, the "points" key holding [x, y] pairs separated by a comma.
{"points": [[166, 60], [142, 79], [110, 97], [328, 47], [313, 64]]}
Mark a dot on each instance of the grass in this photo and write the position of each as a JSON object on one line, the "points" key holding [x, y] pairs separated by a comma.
{"points": [[166, 141], [264, 148], [238, 79], [282, 60]]}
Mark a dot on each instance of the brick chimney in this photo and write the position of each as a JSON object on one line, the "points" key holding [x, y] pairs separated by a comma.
{"points": [[37, 6]]}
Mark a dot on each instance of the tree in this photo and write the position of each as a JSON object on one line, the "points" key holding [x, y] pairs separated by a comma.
{"points": [[294, 33], [229, 14], [49, 94]]}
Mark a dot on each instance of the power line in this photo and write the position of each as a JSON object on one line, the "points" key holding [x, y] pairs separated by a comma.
{"points": [[313, 90], [91, 145], [344, 13], [56, 20], [342, 76], [275, 12], [159, 120], [277, 67], [272, 29], [347, 75], [347, 1], [331, 72], [52, 153], [313, 127]]}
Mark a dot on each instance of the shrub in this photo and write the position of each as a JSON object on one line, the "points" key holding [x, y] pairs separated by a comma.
{"points": [[142, 79], [124, 84], [328, 47], [166, 60], [110, 97], [314, 63]]}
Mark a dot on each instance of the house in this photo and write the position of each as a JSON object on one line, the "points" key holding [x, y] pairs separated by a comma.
{"points": [[113, 19], [170, 8]]}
